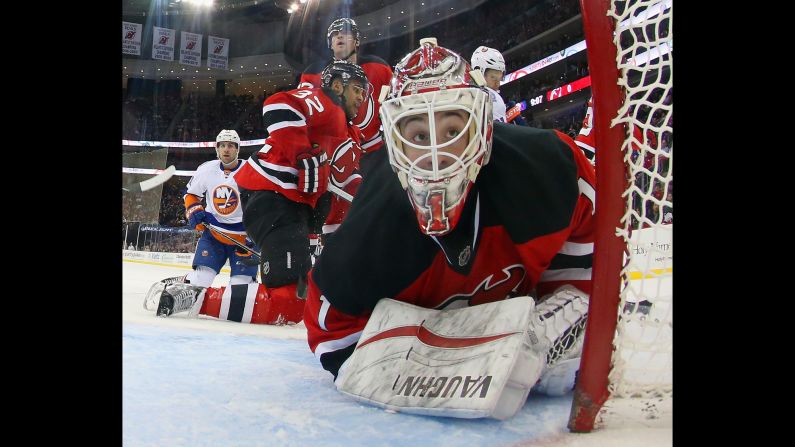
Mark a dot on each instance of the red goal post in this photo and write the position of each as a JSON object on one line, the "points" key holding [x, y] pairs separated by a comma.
{"points": [[627, 350]]}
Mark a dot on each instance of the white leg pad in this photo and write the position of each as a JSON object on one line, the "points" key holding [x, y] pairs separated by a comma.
{"points": [[471, 362], [559, 323]]}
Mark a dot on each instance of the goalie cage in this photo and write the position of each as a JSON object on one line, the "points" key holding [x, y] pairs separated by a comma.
{"points": [[627, 356]]}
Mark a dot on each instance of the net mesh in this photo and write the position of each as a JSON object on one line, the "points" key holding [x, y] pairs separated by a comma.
{"points": [[642, 360]]}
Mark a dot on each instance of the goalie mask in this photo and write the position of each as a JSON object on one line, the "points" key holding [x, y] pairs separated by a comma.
{"points": [[229, 136], [437, 129]]}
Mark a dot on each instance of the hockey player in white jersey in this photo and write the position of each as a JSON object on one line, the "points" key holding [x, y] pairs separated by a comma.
{"points": [[214, 184], [220, 219], [491, 63]]}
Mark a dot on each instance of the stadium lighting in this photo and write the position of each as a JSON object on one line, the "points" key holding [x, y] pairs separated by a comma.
{"points": [[204, 3]]}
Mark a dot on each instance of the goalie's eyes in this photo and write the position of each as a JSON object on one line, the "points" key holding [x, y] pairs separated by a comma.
{"points": [[420, 138], [449, 126]]}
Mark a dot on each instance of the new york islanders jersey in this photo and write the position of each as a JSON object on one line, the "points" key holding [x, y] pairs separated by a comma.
{"points": [[222, 196], [497, 106], [526, 229], [298, 122], [378, 74]]}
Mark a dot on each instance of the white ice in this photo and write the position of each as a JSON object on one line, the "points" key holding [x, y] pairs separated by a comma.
{"points": [[205, 382]]}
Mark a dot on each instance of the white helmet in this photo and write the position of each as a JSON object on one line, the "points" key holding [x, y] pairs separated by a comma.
{"points": [[485, 57], [231, 136], [428, 80], [228, 135]]}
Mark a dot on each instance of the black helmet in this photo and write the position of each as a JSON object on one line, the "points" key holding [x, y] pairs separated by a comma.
{"points": [[346, 70], [339, 25]]}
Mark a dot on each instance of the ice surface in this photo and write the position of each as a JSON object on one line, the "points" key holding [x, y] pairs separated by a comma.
{"points": [[205, 382]]}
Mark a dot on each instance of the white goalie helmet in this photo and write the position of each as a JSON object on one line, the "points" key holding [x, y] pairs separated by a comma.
{"points": [[484, 58], [437, 166]]}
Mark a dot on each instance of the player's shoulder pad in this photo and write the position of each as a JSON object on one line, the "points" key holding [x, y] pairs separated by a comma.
{"points": [[531, 180]]}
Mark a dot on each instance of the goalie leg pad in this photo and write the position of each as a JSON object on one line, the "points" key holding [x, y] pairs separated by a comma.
{"points": [[470, 362], [559, 324]]}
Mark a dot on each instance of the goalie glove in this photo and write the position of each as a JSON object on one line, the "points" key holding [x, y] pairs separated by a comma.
{"points": [[313, 171]]}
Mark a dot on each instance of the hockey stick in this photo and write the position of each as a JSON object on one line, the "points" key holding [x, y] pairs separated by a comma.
{"points": [[148, 184], [218, 231]]}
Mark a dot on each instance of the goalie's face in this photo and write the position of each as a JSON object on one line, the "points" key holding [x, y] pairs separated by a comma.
{"points": [[437, 144], [437, 130], [450, 139]]}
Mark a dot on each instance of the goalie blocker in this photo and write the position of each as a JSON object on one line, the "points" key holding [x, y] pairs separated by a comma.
{"points": [[472, 362]]}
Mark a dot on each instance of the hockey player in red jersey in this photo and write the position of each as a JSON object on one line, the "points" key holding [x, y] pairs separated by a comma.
{"points": [[344, 40], [309, 140], [457, 213]]}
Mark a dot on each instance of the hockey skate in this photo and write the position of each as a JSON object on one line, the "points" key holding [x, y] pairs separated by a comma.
{"points": [[559, 325], [180, 297], [152, 297]]}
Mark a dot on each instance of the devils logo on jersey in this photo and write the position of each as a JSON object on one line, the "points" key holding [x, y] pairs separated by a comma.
{"points": [[363, 120], [344, 162], [493, 288], [225, 199]]}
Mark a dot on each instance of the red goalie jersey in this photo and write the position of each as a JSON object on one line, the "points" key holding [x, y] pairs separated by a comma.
{"points": [[302, 123], [526, 228]]}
